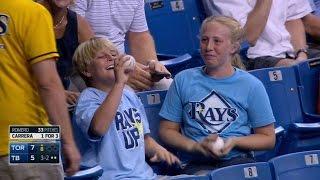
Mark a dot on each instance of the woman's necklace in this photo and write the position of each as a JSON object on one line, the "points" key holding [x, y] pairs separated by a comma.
{"points": [[59, 23]]}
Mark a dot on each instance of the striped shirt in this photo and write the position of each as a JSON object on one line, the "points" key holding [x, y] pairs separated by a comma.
{"points": [[113, 18]]}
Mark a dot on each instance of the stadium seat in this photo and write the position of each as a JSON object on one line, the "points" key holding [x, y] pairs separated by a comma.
{"points": [[297, 166], [152, 101], [243, 51], [308, 83], [283, 90], [177, 64], [175, 25], [191, 178], [86, 173], [252, 171], [281, 86]]}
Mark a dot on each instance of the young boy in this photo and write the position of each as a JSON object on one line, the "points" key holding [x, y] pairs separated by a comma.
{"points": [[111, 118]]}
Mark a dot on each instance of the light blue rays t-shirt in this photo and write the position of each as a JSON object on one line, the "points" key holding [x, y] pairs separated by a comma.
{"points": [[121, 151], [204, 105]]}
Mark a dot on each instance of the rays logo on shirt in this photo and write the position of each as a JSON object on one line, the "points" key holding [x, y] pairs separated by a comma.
{"points": [[3, 24], [129, 124], [213, 113]]}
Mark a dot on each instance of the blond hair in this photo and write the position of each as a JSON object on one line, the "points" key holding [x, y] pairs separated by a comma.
{"points": [[236, 35], [86, 52]]}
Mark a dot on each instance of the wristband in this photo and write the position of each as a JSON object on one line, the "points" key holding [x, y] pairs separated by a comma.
{"points": [[304, 50]]}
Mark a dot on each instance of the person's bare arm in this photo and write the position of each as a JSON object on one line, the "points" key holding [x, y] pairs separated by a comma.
{"points": [[52, 95], [312, 25], [142, 46], [157, 153], [170, 134], [298, 36], [257, 20], [84, 29], [262, 139], [105, 114]]}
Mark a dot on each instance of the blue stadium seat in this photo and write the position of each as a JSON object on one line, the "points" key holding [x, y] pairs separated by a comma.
{"points": [[282, 88], [175, 25], [308, 81], [297, 166], [177, 64], [152, 101], [280, 84], [191, 178], [243, 51], [87, 173], [252, 171]]}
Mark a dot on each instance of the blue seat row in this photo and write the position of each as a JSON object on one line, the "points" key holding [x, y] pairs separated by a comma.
{"points": [[293, 96], [294, 166]]}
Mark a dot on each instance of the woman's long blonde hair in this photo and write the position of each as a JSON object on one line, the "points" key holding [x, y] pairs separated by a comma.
{"points": [[237, 35]]}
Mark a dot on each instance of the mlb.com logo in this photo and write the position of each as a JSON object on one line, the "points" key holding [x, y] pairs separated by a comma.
{"points": [[213, 113]]}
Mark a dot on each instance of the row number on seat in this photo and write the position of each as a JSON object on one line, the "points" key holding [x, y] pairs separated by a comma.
{"points": [[177, 5], [250, 172], [311, 159], [153, 99], [275, 75]]}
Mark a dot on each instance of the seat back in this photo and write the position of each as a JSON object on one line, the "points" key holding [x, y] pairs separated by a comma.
{"points": [[252, 171], [297, 166], [308, 81], [152, 101], [281, 86], [86, 173], [285, 92], [176, 64], [174, 25]]}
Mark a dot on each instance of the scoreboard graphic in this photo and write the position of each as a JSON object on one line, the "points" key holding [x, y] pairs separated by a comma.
{"points": [[34, 144]]}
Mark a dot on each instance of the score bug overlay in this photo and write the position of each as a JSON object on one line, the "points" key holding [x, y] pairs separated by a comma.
{"points": [[34, 144]]}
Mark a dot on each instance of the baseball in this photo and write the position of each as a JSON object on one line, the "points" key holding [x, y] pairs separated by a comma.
{"points": [[129, 64], [218, 144]]}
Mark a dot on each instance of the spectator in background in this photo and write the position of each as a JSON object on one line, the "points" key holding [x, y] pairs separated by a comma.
{"points": [[223, 105], [315, 5], [120, 20], [31, 92], [273, 28], [111, 118], [312, 25], [70, 29]]}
